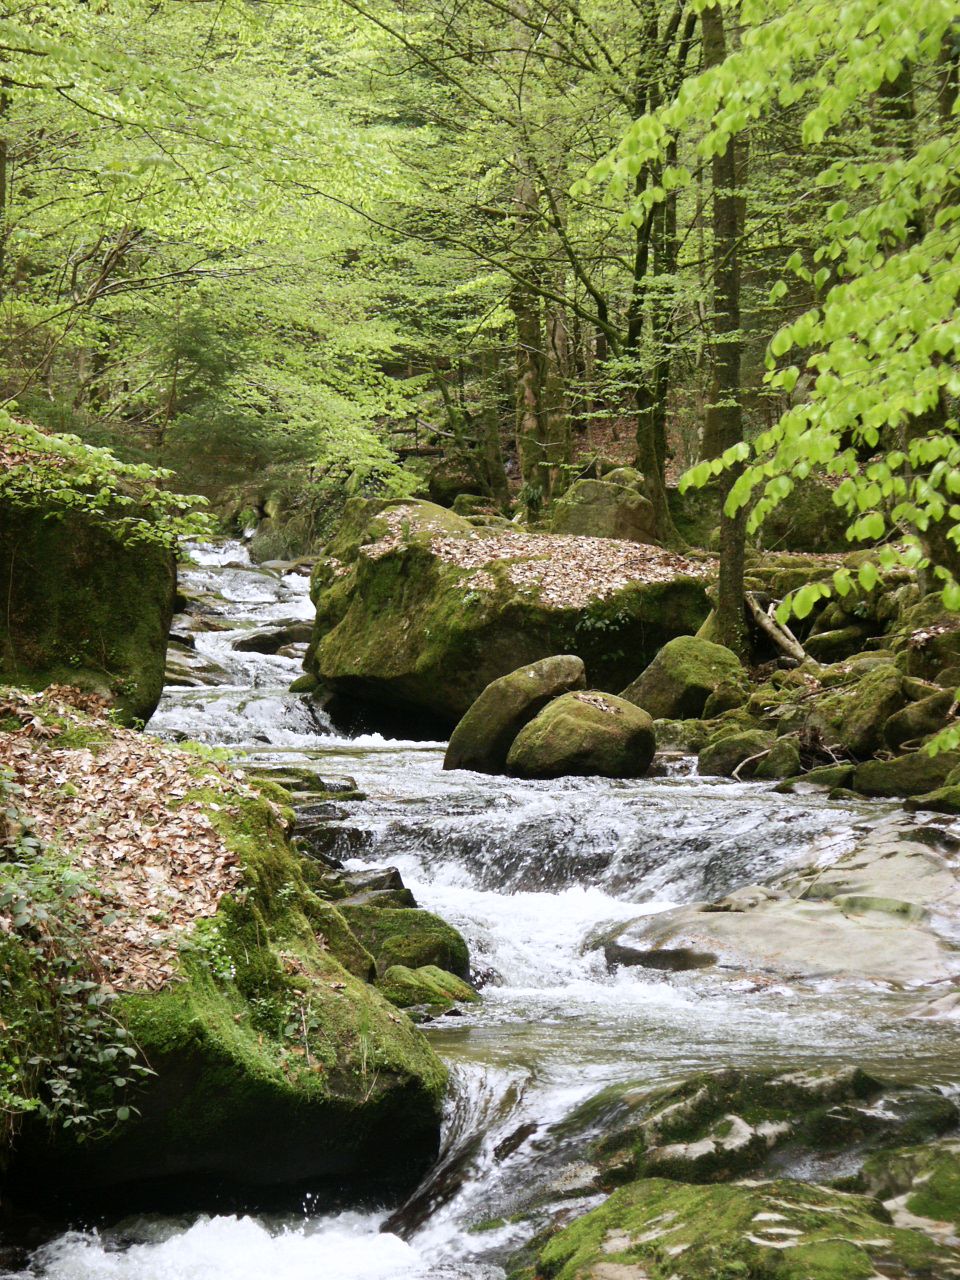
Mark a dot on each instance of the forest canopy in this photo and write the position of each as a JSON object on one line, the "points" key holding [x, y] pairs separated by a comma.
{"points": [[361, 238]]}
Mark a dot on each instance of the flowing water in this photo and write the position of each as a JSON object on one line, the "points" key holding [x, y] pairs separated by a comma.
{"points": [[532, 874]]}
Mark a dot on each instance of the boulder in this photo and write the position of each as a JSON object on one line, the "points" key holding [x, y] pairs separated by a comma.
{"points": [[885, 911], [407, 936], [418, 610], [590, 734], [737, 753], [274, 1060], [781, 761], [428, 985], [484, 736], [448, 480], [603, 509], [928, 637], [918, 720], [655, 1229], [853, 715], [683, 675], [908, 775], [83, 608]]}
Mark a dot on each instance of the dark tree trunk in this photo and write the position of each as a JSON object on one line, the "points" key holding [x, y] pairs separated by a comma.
{"points": [[724, 417]]}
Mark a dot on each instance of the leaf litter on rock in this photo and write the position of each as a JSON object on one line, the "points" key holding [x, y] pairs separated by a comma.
{"points": [[153, 859]]}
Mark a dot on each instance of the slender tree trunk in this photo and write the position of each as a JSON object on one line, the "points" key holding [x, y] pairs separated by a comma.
{"points": [[724, 417], [525, 302]]}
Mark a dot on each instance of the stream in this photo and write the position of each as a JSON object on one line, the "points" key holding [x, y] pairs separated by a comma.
{"points": [[530, 873]]}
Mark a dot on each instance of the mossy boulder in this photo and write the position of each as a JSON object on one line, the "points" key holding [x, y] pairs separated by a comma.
{"points": [[590, 734], [853, 714], [808, 519], [737, 753], [418, 610], [604, 509], [484, 736], [276, 1064], [428, 985], [683, 675], [913, 774], [408, 936], [918, 720], [84, 608], [781, 761], [927, 638], [655, 1229]]}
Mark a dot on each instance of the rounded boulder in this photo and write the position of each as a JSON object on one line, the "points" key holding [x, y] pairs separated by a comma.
{"points": [[683, 675], [482, 739], [589, 734]]}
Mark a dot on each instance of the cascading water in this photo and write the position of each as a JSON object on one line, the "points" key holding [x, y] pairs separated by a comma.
{"points": [[531, 873]]}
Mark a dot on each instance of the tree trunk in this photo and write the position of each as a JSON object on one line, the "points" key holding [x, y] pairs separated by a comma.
{"points": [[724, 417]]}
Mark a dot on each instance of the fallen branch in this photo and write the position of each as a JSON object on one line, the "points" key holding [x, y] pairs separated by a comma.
{"points": [[781, 636]]}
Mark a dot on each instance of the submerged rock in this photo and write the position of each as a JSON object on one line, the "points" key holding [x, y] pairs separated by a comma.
{"points": [[683, 675], [482, 739], [591, 734]]}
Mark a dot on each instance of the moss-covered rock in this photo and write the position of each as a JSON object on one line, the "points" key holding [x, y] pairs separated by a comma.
{"points": [[736, 753], [405, 987], [852, 715], [718, 1125], [781, 761], [410, 937], [920, 1181], [807, 520], [275, 1061], [83, 608], [604, 509], [927, 638], [783, 1230], [484, 736], [591, 734], [419, 610], [918, 720], [908, 775], [683, 675]]}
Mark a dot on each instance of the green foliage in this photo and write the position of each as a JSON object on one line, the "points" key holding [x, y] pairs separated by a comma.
{"points": [[60, 474], [64, 1055]]}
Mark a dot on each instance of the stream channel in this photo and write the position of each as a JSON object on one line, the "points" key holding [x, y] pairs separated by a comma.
{"points": [[530, 873]]}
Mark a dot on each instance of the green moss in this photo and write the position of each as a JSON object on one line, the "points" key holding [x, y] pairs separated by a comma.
{"points": [[83, 609], [669, 1231], [683, 675], [409, 937], [429, 985]]}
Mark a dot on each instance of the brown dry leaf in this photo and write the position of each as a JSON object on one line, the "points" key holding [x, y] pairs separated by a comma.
{"points": [[113, 812]]}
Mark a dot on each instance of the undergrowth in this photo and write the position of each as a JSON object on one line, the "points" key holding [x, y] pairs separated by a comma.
{"points": [[64, 1055]]}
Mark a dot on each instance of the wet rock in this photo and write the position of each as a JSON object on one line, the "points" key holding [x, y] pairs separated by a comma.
{"points": [[604, 509], [273, 639], [400, 898], [482, 739], [682, 676], [409, 937], [666, 959], [589, 734], [920, 1186], [885, 911], [655, 1229], [426, 985]]}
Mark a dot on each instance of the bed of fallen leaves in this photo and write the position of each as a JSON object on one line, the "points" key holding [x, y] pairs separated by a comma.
{"points": [[562, 570], [153, 860]]}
